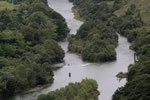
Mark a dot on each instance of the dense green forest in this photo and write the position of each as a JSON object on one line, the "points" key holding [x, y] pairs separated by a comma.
{"points": [[29, 32], [130, 18], [135, 26], [96, 39], [84, 90], [28, 45]]}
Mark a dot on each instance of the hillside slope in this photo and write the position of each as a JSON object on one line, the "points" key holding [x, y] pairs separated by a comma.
{"points": [[5, 5], [130, 13], [142, 5]]}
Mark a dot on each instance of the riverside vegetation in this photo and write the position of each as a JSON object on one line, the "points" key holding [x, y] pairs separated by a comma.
{"points": [[133, 22], [96, 40], [28, 45], [24, 54], [85, 90], [130, 18]]}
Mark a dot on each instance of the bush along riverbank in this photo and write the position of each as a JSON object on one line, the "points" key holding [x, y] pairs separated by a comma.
{"points": [[135, 26], [28, 45], [84, 90], [131, 19], [96, 40]]}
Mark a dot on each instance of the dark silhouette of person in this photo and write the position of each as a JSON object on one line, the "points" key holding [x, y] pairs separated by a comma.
{"points": [[69, 74]]}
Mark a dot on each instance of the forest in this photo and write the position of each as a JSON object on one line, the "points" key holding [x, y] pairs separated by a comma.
{"points": [[135, 26], [96, 40], [130, 18], [29, 36], [29, 33], [84, 90]]}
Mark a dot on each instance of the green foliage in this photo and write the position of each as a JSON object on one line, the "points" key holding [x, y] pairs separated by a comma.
{"points": [[76, 14], [138, 89], [86, 90], [5, 5], [93, 43], [131, 25], [121, 75], [95, 40], [28, 45]]}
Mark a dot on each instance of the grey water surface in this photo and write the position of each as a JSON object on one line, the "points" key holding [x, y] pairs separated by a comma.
{"points": [[103, 73]]}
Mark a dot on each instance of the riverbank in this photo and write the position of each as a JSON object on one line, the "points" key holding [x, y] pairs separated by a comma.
{"points": [[84, 90], [103, 73], [137, 14], [130, 19], [28, 45], [95, 40], [77, 15]]}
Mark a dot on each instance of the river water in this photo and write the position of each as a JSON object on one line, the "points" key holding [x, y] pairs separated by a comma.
{"points": [[103, 73]]}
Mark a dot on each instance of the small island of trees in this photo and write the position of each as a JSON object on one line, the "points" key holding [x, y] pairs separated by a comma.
{"points": [[84, 90]]}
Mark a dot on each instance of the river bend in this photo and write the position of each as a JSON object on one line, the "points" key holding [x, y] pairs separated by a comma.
{"points": [[103, 73]]}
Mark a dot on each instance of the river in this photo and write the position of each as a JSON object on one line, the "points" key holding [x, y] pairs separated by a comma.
{"points": [[103, 73]]}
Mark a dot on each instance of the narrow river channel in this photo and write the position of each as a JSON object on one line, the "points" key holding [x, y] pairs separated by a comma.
{"points": [[103, 73]]}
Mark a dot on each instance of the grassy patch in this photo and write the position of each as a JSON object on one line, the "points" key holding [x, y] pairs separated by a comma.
{"points": [[121, 75], [110, 3], [142, 5], [77, 15], [5, 5]]}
